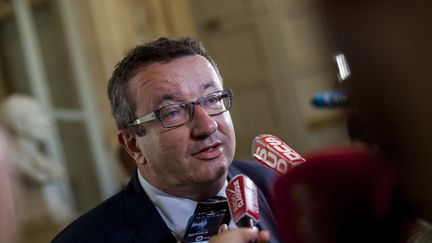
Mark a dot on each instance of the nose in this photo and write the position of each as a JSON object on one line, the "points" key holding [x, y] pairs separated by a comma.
{"points": [[203, 125]]}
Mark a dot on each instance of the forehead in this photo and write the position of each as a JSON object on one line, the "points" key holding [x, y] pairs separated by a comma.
{"points": [[181, 79]]}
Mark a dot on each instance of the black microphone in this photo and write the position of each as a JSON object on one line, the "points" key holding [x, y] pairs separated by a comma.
{"points": [[242, 196]]}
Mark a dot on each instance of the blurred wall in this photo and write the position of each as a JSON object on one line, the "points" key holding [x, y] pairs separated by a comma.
{"points": [[273, 53], [112, 27], [275, 56]]}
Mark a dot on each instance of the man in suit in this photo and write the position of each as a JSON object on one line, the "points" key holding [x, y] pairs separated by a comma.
{"points": [[172, 114]]}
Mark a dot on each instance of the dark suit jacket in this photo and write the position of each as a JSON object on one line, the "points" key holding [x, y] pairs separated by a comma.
{"points": [[130, 216]]}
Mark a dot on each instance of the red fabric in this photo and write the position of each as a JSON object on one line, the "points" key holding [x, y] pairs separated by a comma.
{"points": [[343, 195]]}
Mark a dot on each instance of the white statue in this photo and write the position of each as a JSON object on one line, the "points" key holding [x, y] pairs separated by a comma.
{"points": [[8, 224], [29, 127]]}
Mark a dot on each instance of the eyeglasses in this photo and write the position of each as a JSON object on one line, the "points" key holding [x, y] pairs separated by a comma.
{"points": [[178, 114]]}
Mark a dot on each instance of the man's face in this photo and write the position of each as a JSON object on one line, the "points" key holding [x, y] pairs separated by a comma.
{"points": [[194, 154]]}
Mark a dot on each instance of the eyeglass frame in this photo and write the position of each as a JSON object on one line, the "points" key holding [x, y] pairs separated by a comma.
{"points": [[155, 115]]}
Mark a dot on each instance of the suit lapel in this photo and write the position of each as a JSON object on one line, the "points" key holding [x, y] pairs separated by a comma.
{"points": [[141, 214], [267, 219]]}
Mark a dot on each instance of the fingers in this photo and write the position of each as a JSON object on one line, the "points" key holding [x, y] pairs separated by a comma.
{"points": [[263, 236], [223, 228], [240, 235], [247, 234]]}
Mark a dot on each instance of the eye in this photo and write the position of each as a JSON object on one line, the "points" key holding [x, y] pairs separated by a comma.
{"points": [[171, 112], [213, 100]]}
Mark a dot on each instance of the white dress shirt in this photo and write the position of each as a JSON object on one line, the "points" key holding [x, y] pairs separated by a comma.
{"points": [[174, 210]]}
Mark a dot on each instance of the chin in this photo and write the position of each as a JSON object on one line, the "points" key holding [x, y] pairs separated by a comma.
{"points": [[221, 171], [214, 173]]}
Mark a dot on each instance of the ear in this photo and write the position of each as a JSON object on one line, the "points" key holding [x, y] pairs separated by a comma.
{"points": [[128, 139]]}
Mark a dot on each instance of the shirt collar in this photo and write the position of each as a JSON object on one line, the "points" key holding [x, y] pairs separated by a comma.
{"points": [[174, 210]]}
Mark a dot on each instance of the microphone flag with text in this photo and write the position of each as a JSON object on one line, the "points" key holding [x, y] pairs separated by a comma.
{"points": [[242, 196], [272, 152]]}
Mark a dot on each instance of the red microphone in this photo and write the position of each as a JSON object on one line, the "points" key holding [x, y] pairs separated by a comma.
{"points": [[343, 195], [242, 196], [275, 154]]}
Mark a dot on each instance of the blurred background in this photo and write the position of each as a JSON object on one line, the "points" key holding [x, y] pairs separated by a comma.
{"points": [[274, 54]]}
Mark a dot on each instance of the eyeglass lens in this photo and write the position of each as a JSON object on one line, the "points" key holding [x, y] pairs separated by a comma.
{"points": [[177, 114]]}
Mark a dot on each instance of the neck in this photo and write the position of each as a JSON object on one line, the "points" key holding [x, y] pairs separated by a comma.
{"points": [[193, 191], [206, 191]]}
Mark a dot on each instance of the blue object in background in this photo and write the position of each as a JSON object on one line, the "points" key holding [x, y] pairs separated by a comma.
{"points": [[329, 99]]}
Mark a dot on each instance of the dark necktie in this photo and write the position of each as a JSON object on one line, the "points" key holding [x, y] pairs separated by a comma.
{"points": [[207, 218]]}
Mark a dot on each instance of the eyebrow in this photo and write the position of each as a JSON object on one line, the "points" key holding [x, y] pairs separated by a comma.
{"points": [[177, 95], [160, 102]]}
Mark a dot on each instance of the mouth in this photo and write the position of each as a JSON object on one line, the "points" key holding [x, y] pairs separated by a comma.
{"points": [[210, 151]]}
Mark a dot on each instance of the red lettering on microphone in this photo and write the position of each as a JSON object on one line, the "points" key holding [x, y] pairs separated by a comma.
{"points": [[275, 154]]}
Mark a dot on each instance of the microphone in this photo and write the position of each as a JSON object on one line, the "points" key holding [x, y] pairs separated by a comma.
{"points": [[242, 196], [329, 99], [341, 195], [275, 154]]}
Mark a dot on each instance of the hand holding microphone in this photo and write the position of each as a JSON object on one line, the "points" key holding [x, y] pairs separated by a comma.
{"points": [[242, 193], [242, 200], [241, 235], [242, 197]]}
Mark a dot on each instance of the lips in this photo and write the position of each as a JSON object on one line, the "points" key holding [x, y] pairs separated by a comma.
{"points": [[209, 151]]}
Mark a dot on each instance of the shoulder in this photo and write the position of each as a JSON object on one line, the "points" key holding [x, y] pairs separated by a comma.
{"points": [[252, 169], [98, 224], [258, 173]]}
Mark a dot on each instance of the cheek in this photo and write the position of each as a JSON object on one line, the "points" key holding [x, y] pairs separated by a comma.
{"points": [[226, 125], [171, 144]]}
